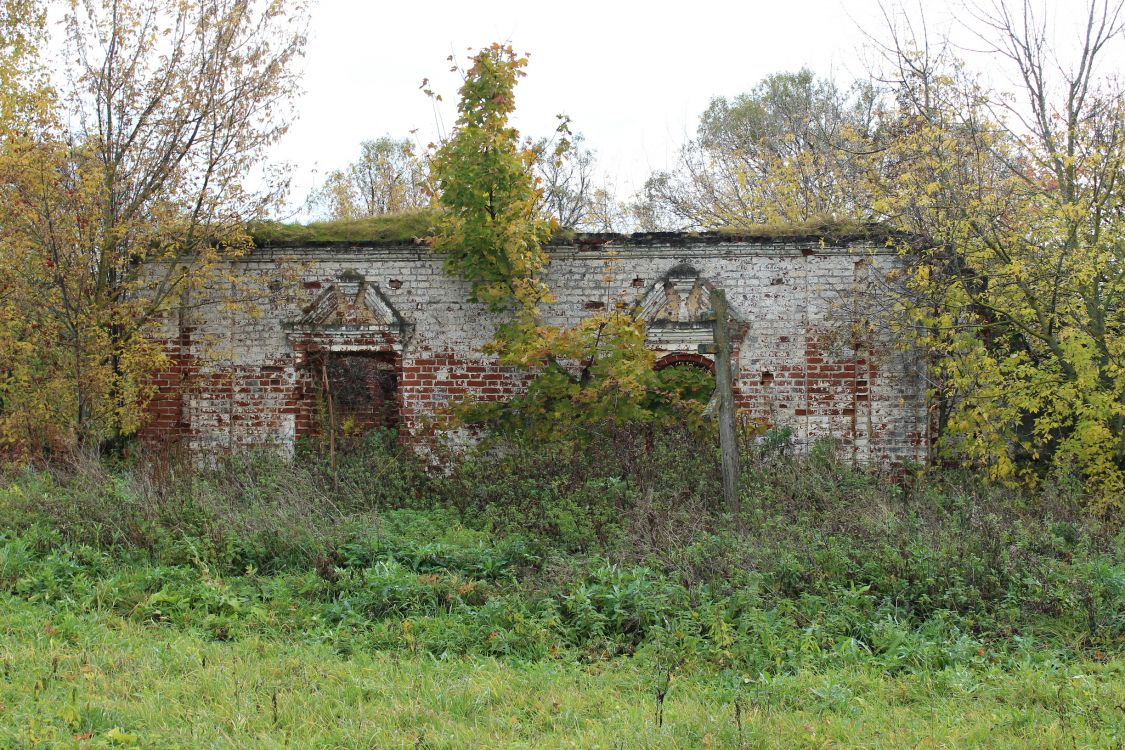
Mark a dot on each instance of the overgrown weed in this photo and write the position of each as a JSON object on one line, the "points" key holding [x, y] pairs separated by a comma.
{"points": [[538, 551]]}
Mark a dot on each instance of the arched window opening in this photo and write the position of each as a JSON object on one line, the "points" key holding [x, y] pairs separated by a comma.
{"points": [[686, 377]]}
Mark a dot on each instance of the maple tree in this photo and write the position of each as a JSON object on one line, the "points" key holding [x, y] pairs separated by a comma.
{"points": [[123, 192], [492, 233], [489, 229], [1017, 291]]}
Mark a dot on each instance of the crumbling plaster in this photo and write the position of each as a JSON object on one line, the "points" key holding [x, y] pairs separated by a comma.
{"points": [[241, 375]]}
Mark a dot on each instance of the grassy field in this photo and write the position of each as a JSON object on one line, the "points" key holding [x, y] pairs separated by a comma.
{"points": [[547, 598], [99, 680]]}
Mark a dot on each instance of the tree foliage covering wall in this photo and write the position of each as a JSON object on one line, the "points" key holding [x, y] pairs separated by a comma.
{"points": [[492, 231], [122, 190]]}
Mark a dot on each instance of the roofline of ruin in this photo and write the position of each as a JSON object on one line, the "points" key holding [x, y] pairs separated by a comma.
{"points": [[873, 238]]}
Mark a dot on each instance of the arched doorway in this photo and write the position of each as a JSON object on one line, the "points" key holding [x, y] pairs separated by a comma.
{"points": [[686, 377]]}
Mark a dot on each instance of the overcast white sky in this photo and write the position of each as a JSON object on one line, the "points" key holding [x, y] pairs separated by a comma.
{"points": [[633, 76]]}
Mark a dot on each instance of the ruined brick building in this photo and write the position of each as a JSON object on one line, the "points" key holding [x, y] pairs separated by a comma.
{"points": [[391, 334]]}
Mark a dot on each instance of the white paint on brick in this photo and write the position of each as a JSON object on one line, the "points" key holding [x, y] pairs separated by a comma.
{"points": [[790, 294]]}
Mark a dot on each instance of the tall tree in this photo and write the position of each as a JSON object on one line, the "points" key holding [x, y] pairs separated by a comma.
{"points": [[1020, 294], [388, 177], [492, 233], [29, 392], [784, 152], [490, 229], [134, 193]]}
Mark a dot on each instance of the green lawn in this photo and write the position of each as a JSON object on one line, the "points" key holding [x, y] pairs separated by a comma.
{"points": [[98, 680]]}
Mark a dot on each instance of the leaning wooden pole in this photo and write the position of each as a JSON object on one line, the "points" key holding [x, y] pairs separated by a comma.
{"points": [[728, 435], [331, 421]]}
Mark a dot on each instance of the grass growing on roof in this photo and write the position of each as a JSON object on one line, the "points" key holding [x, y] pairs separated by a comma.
{"points": [[409, 227], [405, 227]]}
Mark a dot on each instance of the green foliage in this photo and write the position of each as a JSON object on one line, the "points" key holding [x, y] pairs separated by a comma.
{"points": [[613, 379], [1016, 295], [823, 228], [839, 596], [686, 383], [413, 227], [115, 683], [403, 227], [489, 229], [534, 551], [492, 235], [616, 384], [257, 509]]}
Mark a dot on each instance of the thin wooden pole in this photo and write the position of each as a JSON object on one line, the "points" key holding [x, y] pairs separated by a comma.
{"points": [[331, 422], [728, 435]]}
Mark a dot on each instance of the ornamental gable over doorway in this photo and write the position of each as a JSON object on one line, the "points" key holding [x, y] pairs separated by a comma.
{"points": [[677, 311], [350, 314]]}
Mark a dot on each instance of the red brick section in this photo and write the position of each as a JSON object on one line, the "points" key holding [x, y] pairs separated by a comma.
{"points": [[697, 360], [819, 385], [832, 386], [253, 402], [434, 381], [164, 424]]}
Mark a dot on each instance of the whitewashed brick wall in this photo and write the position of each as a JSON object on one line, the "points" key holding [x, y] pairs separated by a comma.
{"points": [[242, 377]]}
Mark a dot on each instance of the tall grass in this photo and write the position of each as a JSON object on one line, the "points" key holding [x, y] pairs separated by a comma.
{"points": [[532, 550], [96, 680], [532, 595]]}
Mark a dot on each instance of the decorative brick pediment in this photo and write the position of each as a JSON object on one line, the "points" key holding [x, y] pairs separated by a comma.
{"points": [[349, 315], [680, 297], [348, 302], [677, 311]]}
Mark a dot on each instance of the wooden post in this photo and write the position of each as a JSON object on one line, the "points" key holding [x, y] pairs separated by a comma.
{"points": [[728, 435], [331, 421]]}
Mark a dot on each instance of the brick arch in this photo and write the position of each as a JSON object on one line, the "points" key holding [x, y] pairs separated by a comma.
{"points": [[685, 358]]}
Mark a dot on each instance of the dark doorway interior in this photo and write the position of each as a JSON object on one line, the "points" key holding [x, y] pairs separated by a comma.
{"points": [[364, 391]]}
